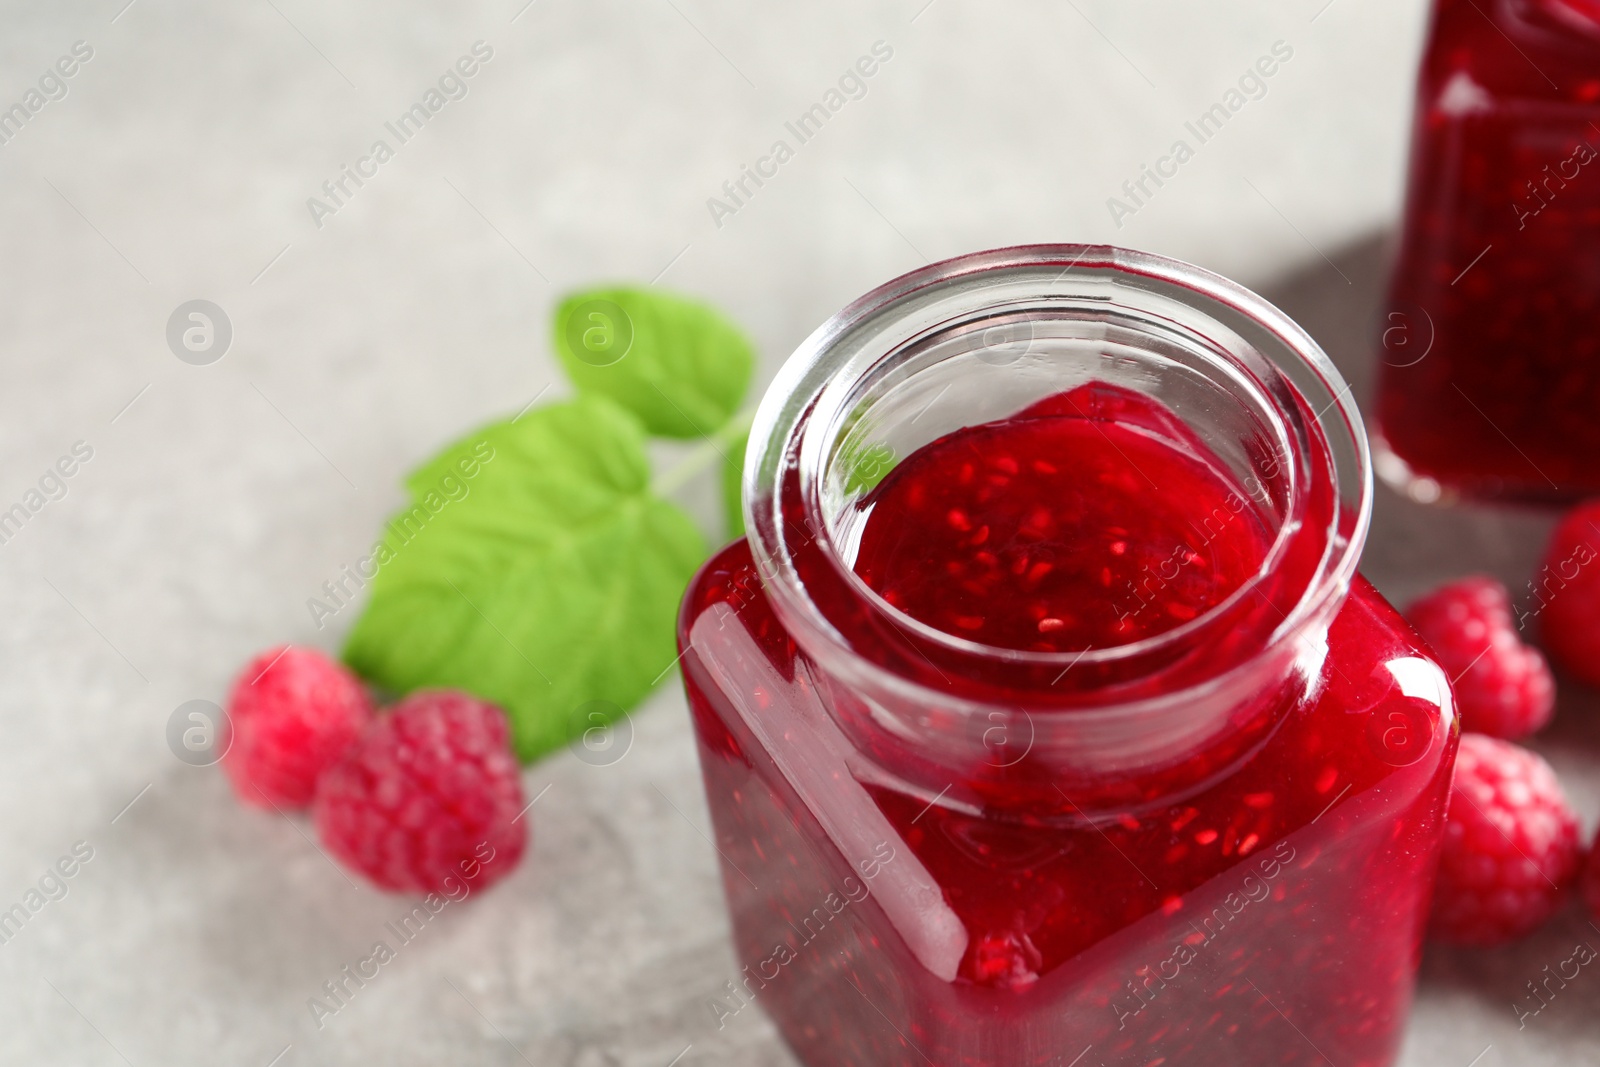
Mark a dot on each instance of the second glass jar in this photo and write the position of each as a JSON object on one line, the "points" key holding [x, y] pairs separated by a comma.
{"points": [[1490, 374]]}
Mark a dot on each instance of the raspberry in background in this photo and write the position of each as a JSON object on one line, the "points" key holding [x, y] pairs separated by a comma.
{"points": [[292, 712], [1567, 593], [1510, 846], [428, 800], [1503, 687]]}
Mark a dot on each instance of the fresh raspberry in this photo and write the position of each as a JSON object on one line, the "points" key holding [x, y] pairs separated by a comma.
{"points": [[1510, 846], [429, 798], [1567, 593], [291, 713], [1503, 687]]}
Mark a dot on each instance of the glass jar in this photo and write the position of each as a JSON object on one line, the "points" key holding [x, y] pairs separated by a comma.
{"points": [[1214, 844], [1490, 374]]}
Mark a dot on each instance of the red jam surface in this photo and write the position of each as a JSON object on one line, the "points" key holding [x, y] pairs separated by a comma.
{"points": [[1491, 356], [1270, 913], [1016, 534]]}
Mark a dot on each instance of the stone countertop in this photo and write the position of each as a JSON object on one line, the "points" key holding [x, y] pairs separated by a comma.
{"points": [[178, 161]]}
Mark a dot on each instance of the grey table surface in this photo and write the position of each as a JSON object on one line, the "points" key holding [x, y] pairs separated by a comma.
{"points": [[178, 165]]}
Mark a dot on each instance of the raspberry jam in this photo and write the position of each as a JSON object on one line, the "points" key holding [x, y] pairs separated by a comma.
{"points": [[1042, 716], [1491, 359], [1018, 533]]}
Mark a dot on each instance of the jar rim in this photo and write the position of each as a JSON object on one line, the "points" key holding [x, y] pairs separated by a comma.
{"points": [[793, 419]]}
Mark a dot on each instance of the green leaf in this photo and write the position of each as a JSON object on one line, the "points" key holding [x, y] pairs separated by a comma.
{"points": [[733, 485], [677, 364], [534, 569], [867, 467]]}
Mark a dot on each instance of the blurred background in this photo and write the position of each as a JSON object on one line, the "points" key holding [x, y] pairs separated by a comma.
{"points": [[177, 165]]}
